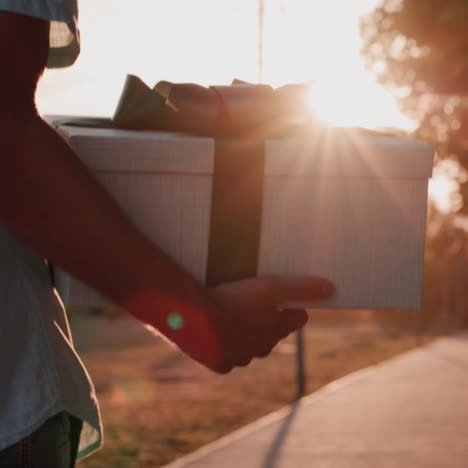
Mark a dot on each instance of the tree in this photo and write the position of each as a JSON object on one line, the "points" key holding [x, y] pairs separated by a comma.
{"points": [[420, 49]]}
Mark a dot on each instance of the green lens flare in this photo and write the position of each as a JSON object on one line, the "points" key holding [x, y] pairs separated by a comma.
{"points": [[175, 321]]}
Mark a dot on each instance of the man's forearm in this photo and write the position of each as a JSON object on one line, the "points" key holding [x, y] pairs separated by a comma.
{"points": [[64, 214], [51, 202]]}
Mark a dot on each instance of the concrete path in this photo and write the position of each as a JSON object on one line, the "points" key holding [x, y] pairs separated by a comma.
{"points": [[408, 412]]}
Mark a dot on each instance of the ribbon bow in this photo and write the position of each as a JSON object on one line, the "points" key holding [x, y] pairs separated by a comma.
{"points": [[241, 109]]}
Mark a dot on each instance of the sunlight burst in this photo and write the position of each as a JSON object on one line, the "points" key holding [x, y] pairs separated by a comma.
{"points": [[304, 42]]}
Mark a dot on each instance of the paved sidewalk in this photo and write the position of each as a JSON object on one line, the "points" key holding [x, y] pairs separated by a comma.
{"points": [[409, 412]]}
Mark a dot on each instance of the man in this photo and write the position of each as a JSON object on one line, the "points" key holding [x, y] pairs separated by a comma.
{"points": [[52, 206]]}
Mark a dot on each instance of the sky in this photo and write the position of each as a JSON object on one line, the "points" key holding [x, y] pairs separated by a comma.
{"points": [[215, 41]]}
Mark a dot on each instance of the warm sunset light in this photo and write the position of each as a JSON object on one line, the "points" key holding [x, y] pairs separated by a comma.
{"points": [[304, 41], [443, 186], [214, 42], [222, 239], [276, 42], [358, 103]]}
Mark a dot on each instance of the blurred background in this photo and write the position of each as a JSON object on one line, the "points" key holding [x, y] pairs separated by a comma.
{"points": [[398, 64]]}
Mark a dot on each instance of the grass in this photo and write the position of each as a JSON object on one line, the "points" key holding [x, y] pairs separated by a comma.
{"points": [[158, 405]]}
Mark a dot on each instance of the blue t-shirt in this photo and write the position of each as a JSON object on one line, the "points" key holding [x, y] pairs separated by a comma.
{"points": [[64, 33], [40, 373]]}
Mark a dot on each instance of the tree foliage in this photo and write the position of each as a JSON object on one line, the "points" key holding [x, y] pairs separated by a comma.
{"points": [[420, 49], [423, 44]]}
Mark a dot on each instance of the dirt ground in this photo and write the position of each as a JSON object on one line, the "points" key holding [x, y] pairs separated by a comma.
{"points": [[158, 405]]}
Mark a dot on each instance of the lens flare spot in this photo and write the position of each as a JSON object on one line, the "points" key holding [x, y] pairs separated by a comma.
{"points": [[175, 321]]}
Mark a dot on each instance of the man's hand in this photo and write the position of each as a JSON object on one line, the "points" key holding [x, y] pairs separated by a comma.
{"points": [[243, 320]]}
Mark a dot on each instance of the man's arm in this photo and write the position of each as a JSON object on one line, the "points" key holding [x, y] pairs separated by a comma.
{"points": [[50, 201]]}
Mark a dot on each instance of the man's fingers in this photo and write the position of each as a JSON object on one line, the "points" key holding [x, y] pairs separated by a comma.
{"points": [[253, 324], [245, 361], [265, 351], [223, 368], [302, 289], [291, 320]]}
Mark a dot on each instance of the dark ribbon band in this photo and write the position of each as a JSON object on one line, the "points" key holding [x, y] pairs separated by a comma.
{"points": [[236, 210]]}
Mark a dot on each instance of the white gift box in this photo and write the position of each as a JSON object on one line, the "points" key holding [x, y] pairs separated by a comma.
{"points": [[343, 204]]}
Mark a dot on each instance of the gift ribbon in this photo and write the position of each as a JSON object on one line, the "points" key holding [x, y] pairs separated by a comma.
{"points": [[239, 110], [236, 210], [240, 117]]}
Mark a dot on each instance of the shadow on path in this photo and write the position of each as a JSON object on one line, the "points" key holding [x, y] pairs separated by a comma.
{"points": [[272, 455]]}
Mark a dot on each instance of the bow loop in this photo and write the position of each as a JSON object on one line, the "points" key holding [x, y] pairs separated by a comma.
{"points": [[239, 110]]}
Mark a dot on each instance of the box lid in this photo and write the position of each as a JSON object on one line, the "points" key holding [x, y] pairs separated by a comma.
{"points": [[342, 152], [111, 150], [328, 152]]}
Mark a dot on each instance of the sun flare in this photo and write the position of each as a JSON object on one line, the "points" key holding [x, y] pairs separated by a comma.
{"points": [[361, 105], [303, 41]]}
